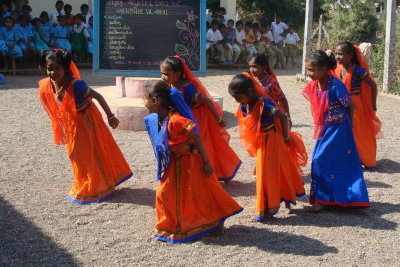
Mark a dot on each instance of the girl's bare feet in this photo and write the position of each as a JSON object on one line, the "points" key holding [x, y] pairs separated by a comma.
{"points": [[288, 207], [314, 208]]}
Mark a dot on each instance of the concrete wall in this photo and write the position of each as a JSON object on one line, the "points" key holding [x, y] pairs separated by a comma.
{"points": [[45, 5], [230, 6]]}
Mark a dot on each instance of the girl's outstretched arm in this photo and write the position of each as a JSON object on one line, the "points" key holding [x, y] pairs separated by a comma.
{"points": [[285, 125], [112, 120], [196, 139], [374, 90], [211, 107]]}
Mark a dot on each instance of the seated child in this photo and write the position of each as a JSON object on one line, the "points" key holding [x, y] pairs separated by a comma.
{"points": [[26, 10], [26, 35], [69, 18], [86, 15], [46, 28], [249, 40], [38, 37], [232, 50], [79, 36], [61, 35], [5, 11], [54, 14], [90, 39], [214, 43], [239, 38], [11, 37], [290, 49]]}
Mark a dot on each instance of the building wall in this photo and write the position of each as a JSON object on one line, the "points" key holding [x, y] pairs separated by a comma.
{"points": [[45, 5]]}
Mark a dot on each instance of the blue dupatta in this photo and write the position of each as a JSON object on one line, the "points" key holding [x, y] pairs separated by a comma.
{"points": [[159, 139]]}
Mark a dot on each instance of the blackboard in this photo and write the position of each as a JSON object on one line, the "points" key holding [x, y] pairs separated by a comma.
{"points": [[131, 37]]}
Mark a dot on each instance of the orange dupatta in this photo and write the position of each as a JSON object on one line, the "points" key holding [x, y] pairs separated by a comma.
{"points": [[189, 76], [63, 116], [365, 92]]}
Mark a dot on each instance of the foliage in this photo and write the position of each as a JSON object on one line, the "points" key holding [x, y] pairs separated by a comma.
{"points": [[292, 11], [354, 21]]}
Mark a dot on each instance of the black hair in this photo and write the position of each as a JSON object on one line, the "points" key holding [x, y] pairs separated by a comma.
{"points": [[23, 17], [265, 24], [349, 48], [59, 2], [262, 60], [59, 56], [78, 16], [214, 22], [44, 13], [222, 9], [231, 20], [221, 25], [28, 7], [84, 5], [239, 22], [256, 25], [174, 63], [321, 59], [67, 6], [249, 24], [160, 90], [240, 85], [35, 20]]}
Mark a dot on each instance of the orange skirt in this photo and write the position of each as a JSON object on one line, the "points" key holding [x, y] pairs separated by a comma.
{"points": [[188, 203], [364, 137], [223, 159], [277, 176], [97, 161]]}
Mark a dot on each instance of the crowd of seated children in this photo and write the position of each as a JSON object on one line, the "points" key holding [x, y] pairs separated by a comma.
{"points": [[20, 33], [228, 45]]}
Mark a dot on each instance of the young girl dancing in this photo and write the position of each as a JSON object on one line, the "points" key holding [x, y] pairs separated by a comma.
{"points": [[265, 76], [336, 172], [208, 115], [97, 161], [353, 70], [189, 201], [263, 131]]}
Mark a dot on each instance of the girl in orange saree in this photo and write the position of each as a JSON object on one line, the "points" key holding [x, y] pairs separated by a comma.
{"points": [[208, 116], [97, 162], [265, 76], [190, 201], [353, 70], [277, 177]]}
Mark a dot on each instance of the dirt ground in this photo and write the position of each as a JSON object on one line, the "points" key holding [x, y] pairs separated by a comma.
{"points": [[39, 227]]}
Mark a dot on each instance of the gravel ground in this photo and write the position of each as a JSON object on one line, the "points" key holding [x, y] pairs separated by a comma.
{"points": [[38, 227]]}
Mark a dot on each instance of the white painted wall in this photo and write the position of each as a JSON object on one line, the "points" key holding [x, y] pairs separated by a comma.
{"points": [[49, 5], [230, 6]]}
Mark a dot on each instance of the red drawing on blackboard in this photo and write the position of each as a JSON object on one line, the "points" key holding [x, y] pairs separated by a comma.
{"points": [[189, 36]]}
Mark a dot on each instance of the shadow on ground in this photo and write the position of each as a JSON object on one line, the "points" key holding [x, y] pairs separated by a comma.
{"points": [[370, 218], [23, 244], [387, 166], [137, 196], [276, 242]]}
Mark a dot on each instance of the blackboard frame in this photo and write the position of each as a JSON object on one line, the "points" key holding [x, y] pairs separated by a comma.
{"points": [[142, 73]]}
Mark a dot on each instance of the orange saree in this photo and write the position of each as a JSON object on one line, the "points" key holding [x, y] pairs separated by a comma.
{"points": [[366, 125], [188, 203], [97, 162], [277, 177]]}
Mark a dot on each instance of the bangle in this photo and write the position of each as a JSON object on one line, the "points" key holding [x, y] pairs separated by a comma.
{"points": [[220, 119], [111, 117], [286, 138]]}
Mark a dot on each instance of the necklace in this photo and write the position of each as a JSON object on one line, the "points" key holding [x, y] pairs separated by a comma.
{"points": [[59, 89]]}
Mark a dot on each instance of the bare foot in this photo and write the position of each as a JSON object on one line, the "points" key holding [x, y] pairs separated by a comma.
{"points": [[314, 208], [288, 207]]}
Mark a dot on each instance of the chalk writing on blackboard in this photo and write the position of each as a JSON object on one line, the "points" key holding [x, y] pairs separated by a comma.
{"points": [[189, 37]]}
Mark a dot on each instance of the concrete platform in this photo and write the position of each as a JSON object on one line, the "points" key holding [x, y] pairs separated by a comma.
{"points": [[131, 111]]}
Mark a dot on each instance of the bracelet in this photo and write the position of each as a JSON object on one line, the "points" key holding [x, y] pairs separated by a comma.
{"points": [[112, 117], [286, 138], [220, 119]]}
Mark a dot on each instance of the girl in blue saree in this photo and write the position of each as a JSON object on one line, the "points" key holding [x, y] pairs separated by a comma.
{"points": [[336, 172]]}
